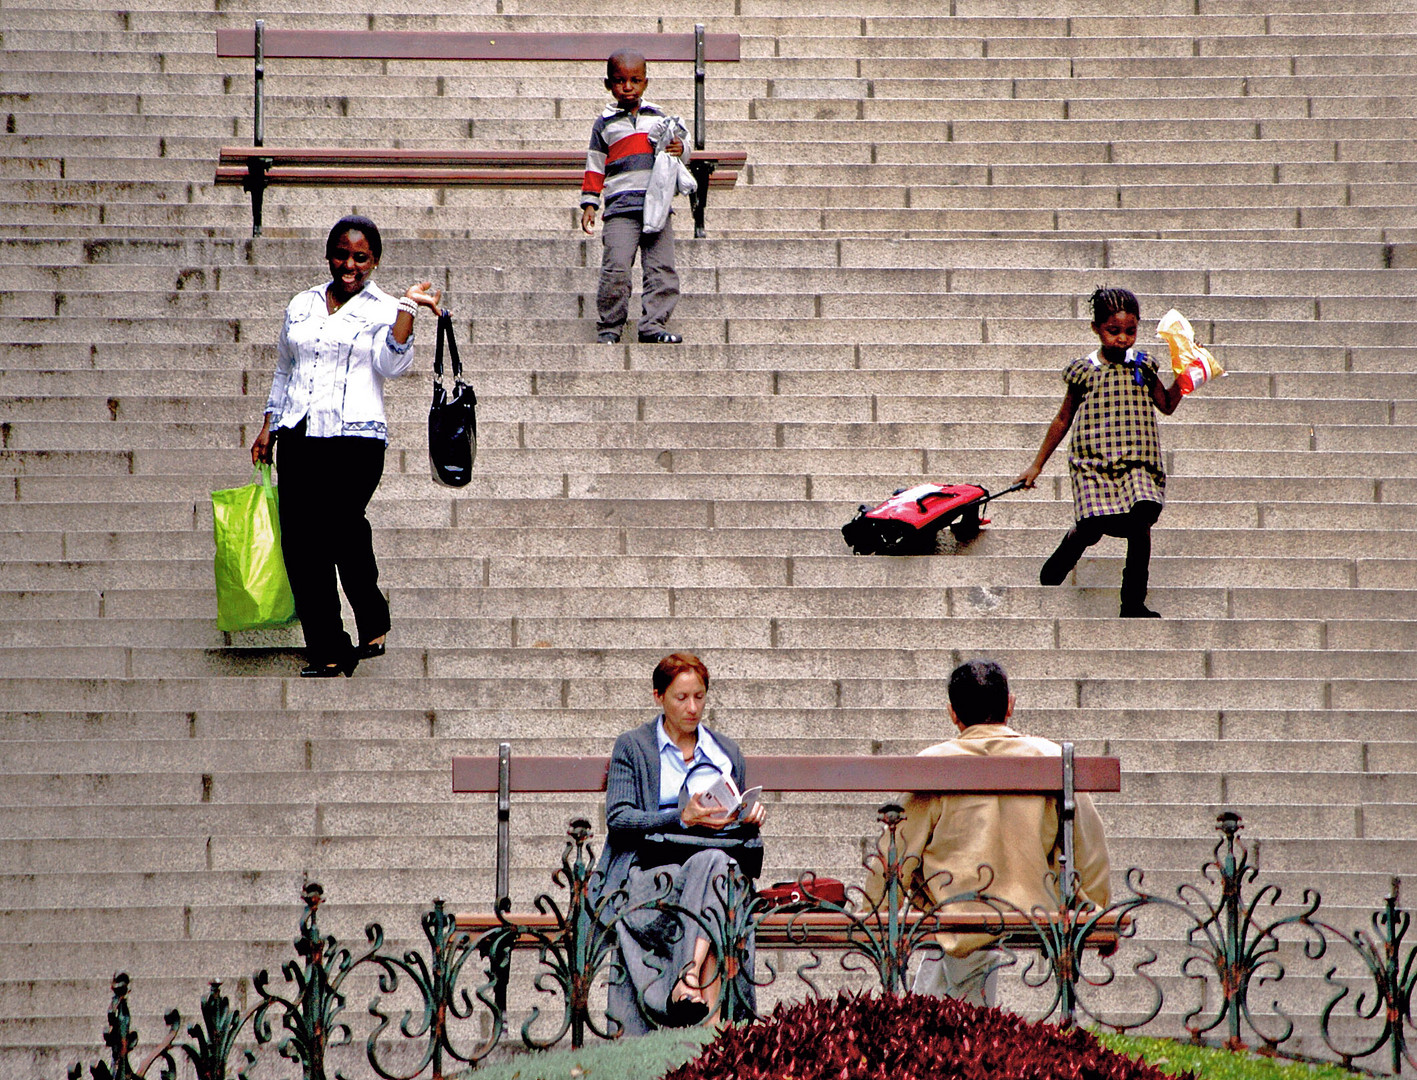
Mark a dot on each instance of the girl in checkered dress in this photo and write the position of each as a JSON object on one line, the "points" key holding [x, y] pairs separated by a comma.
{"points": [[1119, 484]]}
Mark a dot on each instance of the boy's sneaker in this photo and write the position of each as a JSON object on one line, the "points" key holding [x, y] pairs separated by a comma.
{"points": [[607, 337], [660, 337]]}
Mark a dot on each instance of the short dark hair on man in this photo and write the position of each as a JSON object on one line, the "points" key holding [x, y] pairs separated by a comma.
{"points": [[356, 223], [979, 693], [1107, 302], [674, 665], [623, 58]]}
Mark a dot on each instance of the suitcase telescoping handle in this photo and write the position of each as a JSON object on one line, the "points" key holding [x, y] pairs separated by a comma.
{"points": [[1006, 491]]}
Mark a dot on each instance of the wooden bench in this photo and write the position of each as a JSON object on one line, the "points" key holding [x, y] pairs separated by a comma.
{"points": [[258, 166], [1060, 776]]}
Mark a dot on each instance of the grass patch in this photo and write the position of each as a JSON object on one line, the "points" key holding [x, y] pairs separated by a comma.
{"points": [[1213, 1063], [645, 1058], [654, 1055]]}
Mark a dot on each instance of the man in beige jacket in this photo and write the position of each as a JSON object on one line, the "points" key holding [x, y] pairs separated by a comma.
{"points": [[949, 838]]}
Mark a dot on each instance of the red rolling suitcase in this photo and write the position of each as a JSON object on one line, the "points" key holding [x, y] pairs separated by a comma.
{"points": [[909, 521]]}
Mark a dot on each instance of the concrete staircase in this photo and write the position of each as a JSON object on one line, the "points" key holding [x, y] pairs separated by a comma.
{"points": [[886, 298]]}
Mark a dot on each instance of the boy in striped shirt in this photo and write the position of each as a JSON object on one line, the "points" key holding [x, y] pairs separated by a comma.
{"points": [[618, 168]]}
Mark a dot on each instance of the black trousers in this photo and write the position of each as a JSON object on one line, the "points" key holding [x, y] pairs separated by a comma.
{"points": [[325, 486], [1134, 526]]}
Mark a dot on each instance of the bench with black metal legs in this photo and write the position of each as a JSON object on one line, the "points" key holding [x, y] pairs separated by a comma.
{"points": [[830, 930], [258, 166]]}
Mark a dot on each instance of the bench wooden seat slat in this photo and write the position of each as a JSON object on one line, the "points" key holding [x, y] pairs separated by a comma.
{"points": [[818, 773], [828, 929], [459, 45], [573, 159]]}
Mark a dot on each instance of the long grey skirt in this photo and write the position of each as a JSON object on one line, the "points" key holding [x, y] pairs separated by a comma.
{"points": [[656, 946]]}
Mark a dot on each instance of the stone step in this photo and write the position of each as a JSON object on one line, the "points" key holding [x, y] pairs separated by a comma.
{"points": [[467, 622], [1154, 287], [233, 834], [570, 93], [840, 328], [567, 249], [227, 771], [1302, 681], [1209, 313], [1340, 604], [1319, 372], [835, 730]]}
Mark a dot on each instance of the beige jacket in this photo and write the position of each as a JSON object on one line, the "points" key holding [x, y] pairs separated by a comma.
{"points": [[1016, 835]]}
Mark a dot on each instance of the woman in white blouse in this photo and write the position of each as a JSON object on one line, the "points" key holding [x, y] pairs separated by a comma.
{"points": [[340, 341]]}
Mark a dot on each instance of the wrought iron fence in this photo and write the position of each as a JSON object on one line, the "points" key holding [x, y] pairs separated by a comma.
{"points": [[1235, 946]]}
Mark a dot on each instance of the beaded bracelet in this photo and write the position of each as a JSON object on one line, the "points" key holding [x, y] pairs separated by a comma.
{"points": [[405, 304]]}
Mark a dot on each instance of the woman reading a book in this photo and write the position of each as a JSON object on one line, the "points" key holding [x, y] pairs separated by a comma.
{"points": [[677, 822]]}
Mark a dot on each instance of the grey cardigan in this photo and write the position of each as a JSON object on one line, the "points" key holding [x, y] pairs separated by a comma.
{"points": [[632, 799]]}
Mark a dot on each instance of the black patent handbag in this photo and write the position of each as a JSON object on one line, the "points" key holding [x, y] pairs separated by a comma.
{"points": [[452, 418]]}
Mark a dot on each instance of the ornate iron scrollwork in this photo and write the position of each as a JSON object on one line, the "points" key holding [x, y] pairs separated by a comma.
{"points": [[436, 980], [216, 1037], [1230, 945], [310, 1014], [121, 1038], [1228, 939], [574, 948], [1394, 982]]}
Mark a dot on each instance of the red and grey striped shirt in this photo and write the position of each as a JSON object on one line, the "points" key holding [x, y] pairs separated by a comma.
{"points": [[620, 158]]}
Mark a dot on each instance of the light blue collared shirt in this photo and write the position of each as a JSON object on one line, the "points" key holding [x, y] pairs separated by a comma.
{"points": [[673, 769]]}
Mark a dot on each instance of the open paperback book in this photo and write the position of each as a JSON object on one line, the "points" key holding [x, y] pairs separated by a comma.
{"points": [[722, 793]]}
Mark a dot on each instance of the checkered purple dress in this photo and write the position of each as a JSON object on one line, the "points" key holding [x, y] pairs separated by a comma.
{"points": [[1115, 458]]}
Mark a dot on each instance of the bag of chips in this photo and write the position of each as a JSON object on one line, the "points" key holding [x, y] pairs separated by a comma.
{"points": [[1192, 364]]}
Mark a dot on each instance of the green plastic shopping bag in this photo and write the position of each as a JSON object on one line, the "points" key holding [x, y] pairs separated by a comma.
{"points": [[251, 585]]}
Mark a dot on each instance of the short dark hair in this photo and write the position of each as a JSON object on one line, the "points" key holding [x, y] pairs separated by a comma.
{"points": [[355, 223], [979, 693], [623, 58], [674, 665], [1106, 302]]}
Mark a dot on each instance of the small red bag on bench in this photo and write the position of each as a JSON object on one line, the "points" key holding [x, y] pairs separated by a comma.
{"points": [[804, 895]]}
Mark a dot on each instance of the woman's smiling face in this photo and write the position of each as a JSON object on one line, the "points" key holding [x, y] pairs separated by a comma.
{"points": [[351, 263]]}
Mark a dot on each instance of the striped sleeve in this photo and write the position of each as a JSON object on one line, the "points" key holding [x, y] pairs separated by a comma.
{"points": [[593, 182]]}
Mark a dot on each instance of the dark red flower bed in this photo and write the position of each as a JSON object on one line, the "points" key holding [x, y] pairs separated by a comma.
{"points": [[861, 1037]]}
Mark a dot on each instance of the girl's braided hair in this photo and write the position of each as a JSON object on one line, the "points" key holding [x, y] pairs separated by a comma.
{"points": [[1107, 302]]}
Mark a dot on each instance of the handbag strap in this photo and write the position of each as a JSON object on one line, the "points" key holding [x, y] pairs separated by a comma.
{"points": [[445, 331]]}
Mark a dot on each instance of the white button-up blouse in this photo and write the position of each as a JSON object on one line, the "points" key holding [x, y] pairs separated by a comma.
{"points": [[330, 369]]}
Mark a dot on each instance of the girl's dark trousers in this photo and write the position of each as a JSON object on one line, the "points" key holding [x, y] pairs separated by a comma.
{"points": [[325, 486], [1134, 526]]}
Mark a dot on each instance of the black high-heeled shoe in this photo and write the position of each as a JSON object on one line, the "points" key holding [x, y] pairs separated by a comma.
{"points": [[685, 1012], [330, 671], [369, 650]]}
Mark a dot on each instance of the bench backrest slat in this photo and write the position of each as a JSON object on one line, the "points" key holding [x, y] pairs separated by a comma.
{"points": [[824, 773], [458, 45]]}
